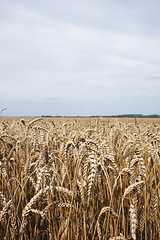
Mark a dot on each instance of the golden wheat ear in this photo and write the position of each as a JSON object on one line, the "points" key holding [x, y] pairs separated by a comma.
{"points": [[3, 110]]}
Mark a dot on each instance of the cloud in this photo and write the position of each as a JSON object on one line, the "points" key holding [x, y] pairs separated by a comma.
{"points": [[53, 99], [156, 76], [64, 52]]}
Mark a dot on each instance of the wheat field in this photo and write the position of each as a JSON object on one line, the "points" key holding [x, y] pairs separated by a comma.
{"points": [[81, 179]]}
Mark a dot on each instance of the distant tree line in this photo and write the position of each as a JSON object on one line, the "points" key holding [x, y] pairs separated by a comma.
{"points": [[112, 116]]}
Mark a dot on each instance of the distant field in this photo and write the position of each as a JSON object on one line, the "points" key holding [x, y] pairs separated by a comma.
{"points": [[80, 178]]}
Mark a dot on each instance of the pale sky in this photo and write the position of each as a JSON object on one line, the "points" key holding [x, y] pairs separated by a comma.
{"points": [[88, 57]]}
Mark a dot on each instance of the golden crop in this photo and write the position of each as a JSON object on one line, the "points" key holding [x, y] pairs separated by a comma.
{"points": [[81, 179]]}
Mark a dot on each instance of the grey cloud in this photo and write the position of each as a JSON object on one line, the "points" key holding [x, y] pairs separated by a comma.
{"points": [[75, 51], [53, 99], [125, 104], [155, 77]]}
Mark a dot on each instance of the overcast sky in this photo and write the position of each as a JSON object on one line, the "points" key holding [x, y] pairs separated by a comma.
{"points": [[88, 57]]}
